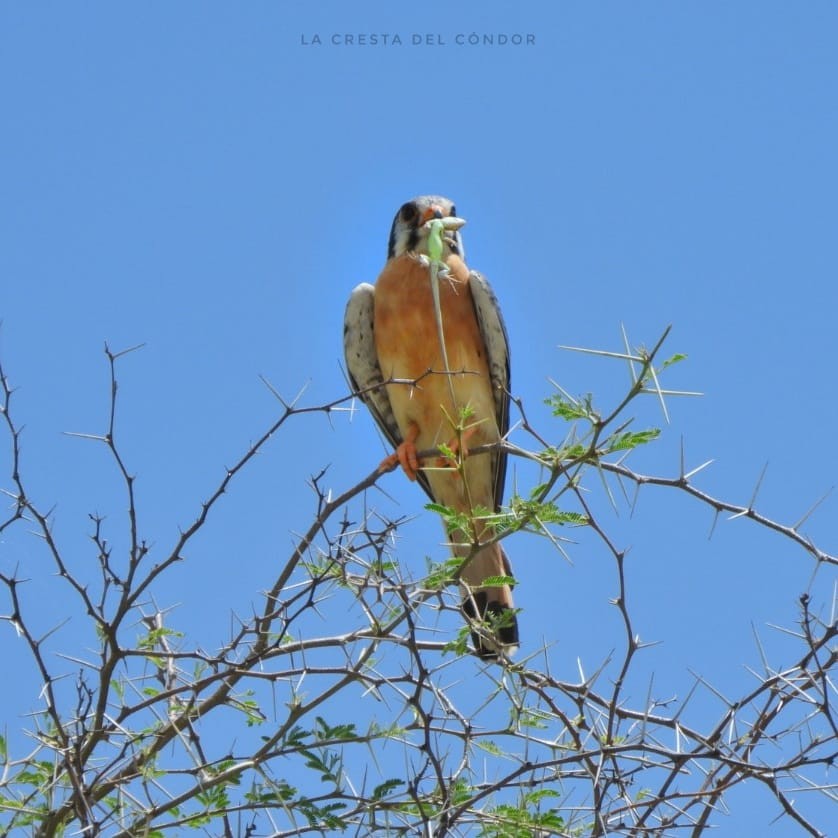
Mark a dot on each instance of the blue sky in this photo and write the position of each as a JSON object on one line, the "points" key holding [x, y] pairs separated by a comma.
{"points": [[203, 179]]}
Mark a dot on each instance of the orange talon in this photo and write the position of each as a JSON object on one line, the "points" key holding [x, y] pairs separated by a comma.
{"points": [[388, 463], [405, 455]]}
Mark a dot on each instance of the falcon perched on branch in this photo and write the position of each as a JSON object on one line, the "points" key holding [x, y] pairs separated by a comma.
{"points": [[426, 349]]}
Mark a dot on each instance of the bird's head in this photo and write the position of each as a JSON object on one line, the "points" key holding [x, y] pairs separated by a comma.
{"points": [[409, 233]]}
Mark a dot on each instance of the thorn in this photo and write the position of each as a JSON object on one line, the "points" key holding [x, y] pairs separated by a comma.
{"points": [[562, 390], [632, 373], [273, 390], [660, 393], [697, 469], [812, 508], [113, 356], [757, 487], [713, 525], [96, 437], [604, 352]]}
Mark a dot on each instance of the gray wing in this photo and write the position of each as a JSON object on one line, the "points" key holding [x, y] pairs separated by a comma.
{"points": [[493, 331], [365, 374]]}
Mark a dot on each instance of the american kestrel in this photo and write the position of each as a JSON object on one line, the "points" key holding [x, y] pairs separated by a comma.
{"points": [[418, 391]]}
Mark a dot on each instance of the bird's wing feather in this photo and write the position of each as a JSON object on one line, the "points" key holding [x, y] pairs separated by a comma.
{"points": [[365, 374], [493, 331]]}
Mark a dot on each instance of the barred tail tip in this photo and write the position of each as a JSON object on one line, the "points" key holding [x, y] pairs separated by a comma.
{"points": [[498, 634]]}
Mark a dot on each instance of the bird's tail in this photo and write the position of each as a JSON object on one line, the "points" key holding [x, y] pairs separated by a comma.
{"points": [[489, 608]]}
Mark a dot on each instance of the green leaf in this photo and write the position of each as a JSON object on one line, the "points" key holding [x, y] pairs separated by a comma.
{"points": [[524, 511], [447, 451], [466, 413], [459, 644], [344, 731], [539, 795], [497, 581], [489, 746], [153, 638], [119, 688], [629, 439], [444, 573], [564, 455], [438, 508], [678, 356], [532, 718], [569, 410], [383, 789]]}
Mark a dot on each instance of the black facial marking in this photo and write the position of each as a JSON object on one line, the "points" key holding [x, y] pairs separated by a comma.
{"points": [[407, 214], [455, 238], [391, 242]]}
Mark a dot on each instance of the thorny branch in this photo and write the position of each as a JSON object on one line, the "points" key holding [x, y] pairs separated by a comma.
{"points": [[349, 662]]}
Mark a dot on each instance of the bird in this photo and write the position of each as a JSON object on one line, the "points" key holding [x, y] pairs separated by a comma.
{"points": [[426, 350]]}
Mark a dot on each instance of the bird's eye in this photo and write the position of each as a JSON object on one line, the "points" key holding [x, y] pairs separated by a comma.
{"points": [[409, 212]]}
